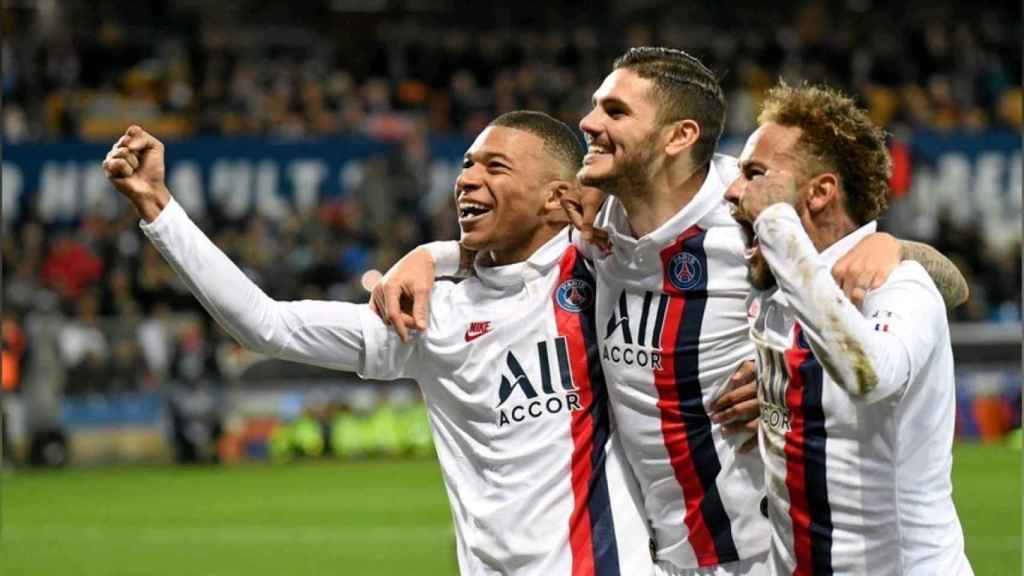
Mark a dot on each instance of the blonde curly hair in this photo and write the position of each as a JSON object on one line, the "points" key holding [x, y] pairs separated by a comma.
{"points": [[839, 136]]}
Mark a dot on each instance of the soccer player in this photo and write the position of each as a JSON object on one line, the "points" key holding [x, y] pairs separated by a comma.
{"points": [[672, 291], [516, 395], [671, 308], [857, 406]]}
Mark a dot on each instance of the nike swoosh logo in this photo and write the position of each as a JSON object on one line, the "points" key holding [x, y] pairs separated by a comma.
{"points": [[473, 334]]}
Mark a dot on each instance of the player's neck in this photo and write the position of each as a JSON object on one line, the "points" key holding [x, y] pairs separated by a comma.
{"points": [[522, 252], [828, 227], [666, 195]]}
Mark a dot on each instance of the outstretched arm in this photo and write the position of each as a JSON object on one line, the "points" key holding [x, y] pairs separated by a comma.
{"points": [[325, 333], [312, 331]]}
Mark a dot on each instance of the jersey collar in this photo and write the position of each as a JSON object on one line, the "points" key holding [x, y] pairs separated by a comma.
{"points": [[833, 253], [612, 218], [538, 264]]}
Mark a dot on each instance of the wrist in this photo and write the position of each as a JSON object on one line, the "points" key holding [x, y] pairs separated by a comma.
{"points": [[149, 206]]}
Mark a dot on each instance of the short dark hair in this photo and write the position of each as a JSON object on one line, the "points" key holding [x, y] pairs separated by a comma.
{"points": [[841, 137], [558, 138], [687, 89]]}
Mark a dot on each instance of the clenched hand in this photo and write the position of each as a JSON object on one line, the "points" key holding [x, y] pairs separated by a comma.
{"points": [[135, 166]]}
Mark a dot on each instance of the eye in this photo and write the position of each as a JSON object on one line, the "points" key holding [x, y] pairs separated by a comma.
{"points": [[615, 111], [751, 172], [496, 167], [467, 163]]}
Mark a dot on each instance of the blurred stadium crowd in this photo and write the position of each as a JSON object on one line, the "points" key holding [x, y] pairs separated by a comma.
{"points": [[251, 68], [271, 69], [275, 69]]}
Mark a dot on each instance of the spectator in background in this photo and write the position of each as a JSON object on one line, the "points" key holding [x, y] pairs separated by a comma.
{"points": [[913, 64], [154, 337], [194, 363], [127, 367], [23, 260], [84, 349], [963, 60], [12, 353], [71, 267]]}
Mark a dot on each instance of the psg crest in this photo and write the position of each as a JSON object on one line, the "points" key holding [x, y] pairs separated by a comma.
{"points": [[685, 271], [574, 295]]}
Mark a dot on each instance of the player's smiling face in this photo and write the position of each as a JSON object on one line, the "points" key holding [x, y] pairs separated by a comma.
{"points": [[499, 194], [621, 132]]}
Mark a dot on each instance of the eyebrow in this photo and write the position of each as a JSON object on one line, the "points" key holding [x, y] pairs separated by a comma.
{"points": [[610, 100], [751, 163], [488, 155]]}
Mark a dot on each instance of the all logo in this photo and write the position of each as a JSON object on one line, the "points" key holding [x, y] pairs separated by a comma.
{"points": [[574, 295], [685, 271], [519, 397], [642, 347]]}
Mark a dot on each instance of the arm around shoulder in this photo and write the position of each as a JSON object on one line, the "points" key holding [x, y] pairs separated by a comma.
{"points": [[947, 277]]}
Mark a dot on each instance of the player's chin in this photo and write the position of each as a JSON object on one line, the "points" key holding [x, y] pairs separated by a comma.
{"points": [[593, 180], [595, 173], [759, 273], [475, 240]]}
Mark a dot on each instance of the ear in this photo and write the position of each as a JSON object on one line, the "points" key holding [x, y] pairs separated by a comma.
{"points": [[823, 192], [684, 134], [553, 193]]}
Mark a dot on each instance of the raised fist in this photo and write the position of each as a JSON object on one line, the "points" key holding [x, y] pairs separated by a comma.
{"points": [[135, 166]]}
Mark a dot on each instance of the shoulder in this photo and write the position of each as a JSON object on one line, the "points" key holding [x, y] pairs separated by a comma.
{"points": [[446, 296], [910, 288], [911, 275], [723, 233]]}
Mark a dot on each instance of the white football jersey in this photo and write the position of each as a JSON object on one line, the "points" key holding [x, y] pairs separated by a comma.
{"points": [[516, 397], [672, 326], [857, 414]]}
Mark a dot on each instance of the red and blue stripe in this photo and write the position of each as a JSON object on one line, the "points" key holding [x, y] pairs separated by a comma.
{"points": [[685, 425], [806, 478], [591, 526]]}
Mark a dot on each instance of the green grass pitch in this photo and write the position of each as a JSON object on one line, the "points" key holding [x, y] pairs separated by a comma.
{"points": [[373, 518]]}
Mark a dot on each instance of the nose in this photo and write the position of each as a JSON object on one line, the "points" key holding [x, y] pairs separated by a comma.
{"points": [[467, 181], [734, 193], [589, 124]]}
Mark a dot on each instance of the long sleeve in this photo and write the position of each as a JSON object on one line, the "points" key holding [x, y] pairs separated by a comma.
{"points": [[871, 355], [447, 255], [329, 334]]}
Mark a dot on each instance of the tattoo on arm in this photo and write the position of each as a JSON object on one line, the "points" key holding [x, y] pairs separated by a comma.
{"points": [[948, 279]]}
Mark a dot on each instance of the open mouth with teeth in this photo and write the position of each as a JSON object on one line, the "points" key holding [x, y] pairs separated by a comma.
{"points": [[472, 211], [749, 236], [594, 151]]}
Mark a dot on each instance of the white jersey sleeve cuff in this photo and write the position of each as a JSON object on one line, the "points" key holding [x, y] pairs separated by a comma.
{"points": [[447, 255], [171, 213]]}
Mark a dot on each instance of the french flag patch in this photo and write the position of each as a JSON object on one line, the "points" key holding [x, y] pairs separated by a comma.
{"points": [[881, 320]]}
